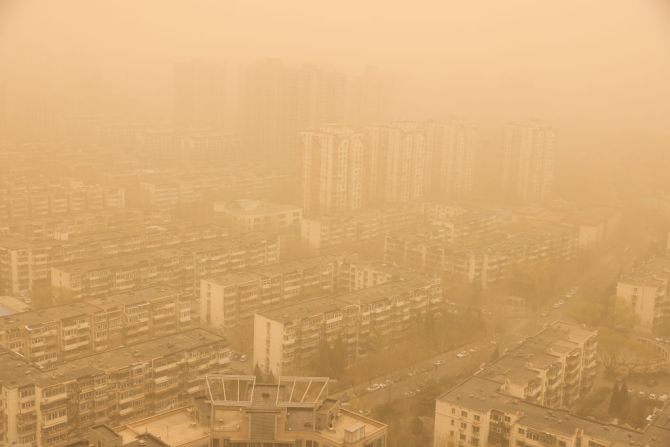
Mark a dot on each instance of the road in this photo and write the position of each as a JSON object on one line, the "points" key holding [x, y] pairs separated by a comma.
{"points": [[412, 379]]}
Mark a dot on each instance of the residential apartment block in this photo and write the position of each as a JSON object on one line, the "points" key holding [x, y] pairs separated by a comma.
{"points": [[528, 161], [286, 339], [332, 171], [361, 226], [254, 215], [452, 147], [180, 266], [166, 189], [62, 333], [34, 230], [52, 407], [57, 201], [522, 398], [396, 163], [238, 411], [230, 301], [486, 258], [23, 263], [644, 290]]}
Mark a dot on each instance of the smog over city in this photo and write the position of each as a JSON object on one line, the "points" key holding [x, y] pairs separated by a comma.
{"points": [[294, 223]]}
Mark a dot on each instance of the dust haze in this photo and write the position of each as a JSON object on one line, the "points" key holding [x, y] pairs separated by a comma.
{"points": [[243, 223]]}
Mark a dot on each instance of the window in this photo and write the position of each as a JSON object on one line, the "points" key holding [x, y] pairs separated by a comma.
{"points": [[477, 418], [464, 414], [464, 425], [522, 431], [462, 437]]}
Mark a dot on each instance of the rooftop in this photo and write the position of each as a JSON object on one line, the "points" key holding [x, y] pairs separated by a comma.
{"points": [[305, 309], [17, 372], [654, 272], [482, 394], [175, 428], [246, 207]]}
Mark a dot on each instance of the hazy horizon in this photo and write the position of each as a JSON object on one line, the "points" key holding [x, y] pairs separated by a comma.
{"points": [[596, 69]]}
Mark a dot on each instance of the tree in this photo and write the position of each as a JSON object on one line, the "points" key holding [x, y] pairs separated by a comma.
{"points": [[416, 427], [618, 401], [495, 354]]}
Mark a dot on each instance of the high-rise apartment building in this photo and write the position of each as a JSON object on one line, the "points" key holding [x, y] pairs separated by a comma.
{"points": [[370, 98], [528, 161], [280, 100], [199, 95], [332, 170], [452, 147], [396, 163]]}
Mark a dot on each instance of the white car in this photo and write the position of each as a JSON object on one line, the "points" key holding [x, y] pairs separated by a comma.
{"points": [[374, 387], [243, 358]]}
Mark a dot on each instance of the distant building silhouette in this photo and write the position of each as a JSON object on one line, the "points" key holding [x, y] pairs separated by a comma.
{"points": [[528, 161]]}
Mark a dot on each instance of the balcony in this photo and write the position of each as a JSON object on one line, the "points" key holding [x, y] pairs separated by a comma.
{"points": [[53, 422], [135, 397], [54, 398]]}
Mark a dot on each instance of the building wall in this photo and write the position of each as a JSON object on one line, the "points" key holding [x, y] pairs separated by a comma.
{"points": [[268, 345]]}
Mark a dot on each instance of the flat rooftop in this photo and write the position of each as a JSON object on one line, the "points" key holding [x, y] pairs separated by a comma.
{"points": [[304, 309], [175, 428], [256, 208], [482, 395], [36, 318], [17, 372]]}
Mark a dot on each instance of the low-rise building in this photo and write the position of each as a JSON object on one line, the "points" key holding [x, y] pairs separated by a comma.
{"points": [[74, 330], [486, 259], [255, 215], [24, 264], [523, 398], [287, 339], [295, 411], [644, 290], [181, 266], [56, 406], [360, 226], [230, 301]]}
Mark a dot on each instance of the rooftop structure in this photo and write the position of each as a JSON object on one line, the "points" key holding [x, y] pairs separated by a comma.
{"points": [[244, 412]]}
